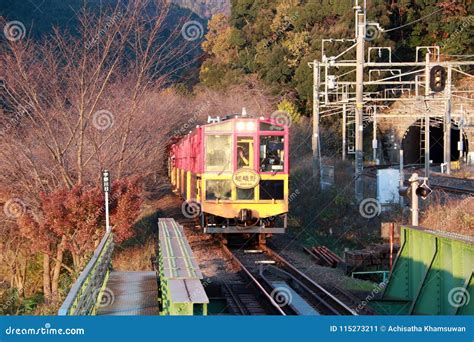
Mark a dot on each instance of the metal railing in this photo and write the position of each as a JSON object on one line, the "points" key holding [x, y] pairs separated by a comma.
{"points": [[86, 291]]}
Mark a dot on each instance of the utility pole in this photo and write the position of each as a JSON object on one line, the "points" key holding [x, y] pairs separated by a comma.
{"points": [[344, 125], [461, 133], [427, 116], [374, 139], [359, 105], [414, 183], [315, 138], [447, 124], [402, 176]]}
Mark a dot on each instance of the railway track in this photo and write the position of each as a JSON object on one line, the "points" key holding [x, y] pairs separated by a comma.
{"points": [[437, 180], [453, 189], [348, 299], [263, 298], [254, 292], [283, 286], [241, 300], [452, 184]]}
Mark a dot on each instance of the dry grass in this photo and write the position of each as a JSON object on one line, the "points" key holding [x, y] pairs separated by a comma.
{"points": [[467, 172], [136, 258], [451, 215]]}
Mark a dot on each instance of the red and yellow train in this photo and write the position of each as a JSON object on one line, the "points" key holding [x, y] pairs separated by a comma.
{"points": [[233, 173]]}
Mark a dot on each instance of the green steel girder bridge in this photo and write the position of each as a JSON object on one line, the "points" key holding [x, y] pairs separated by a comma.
{"points": [[174, 288], [433, 274]]}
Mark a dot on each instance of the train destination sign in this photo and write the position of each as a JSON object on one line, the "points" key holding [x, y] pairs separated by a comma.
{"points": [[246, 178]]}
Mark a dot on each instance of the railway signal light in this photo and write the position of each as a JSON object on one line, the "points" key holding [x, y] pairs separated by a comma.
{"points": [[423, 191], [414, 191], [405, 191], [437, 78]]}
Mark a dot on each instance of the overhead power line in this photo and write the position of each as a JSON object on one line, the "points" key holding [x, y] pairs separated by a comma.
{"points": [[417, 20]]}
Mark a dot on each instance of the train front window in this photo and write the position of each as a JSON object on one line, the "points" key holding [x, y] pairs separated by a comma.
{"points": [[244, 152], [218, 189], [218, 153], [272, 153]]}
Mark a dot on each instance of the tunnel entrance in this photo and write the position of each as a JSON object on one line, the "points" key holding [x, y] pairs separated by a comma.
{"points": [[413, 142]]}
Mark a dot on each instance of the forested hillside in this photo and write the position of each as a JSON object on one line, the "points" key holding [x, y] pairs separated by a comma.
{"points": [[276, 39], [205, 8]]}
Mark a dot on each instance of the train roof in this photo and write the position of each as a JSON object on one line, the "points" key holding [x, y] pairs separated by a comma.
{"points": [[239, 117], [226, 124]]}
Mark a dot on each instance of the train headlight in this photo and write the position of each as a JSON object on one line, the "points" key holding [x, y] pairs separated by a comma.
{"points": [[245, 126], [250, 126]]}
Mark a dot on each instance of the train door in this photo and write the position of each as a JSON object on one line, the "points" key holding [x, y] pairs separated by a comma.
{"points": [[245, 154]]}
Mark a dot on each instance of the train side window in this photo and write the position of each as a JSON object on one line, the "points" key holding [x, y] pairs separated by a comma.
{"points": [[272, 154], [218, 153]]}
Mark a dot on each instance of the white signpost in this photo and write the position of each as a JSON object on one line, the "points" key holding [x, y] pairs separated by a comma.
{"points": [[106, 186]]}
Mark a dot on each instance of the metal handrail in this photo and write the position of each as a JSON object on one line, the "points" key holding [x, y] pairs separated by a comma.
{"points": [[86, 290]]}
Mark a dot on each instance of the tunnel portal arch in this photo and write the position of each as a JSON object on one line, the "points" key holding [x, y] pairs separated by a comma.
{"points": [[413, 142]]}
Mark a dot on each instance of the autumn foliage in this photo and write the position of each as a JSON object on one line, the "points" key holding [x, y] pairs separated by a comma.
{"points": [[78, 216], [73, 221]]}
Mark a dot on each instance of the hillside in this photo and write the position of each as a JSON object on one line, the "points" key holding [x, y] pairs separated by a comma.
{"points": [[39, 20], [205, 8], [274, 40]]}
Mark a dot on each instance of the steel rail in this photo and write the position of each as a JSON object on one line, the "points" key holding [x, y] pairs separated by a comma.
{"points": [[242, 309], [454, 189], [298, 274], [254, 280]]}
